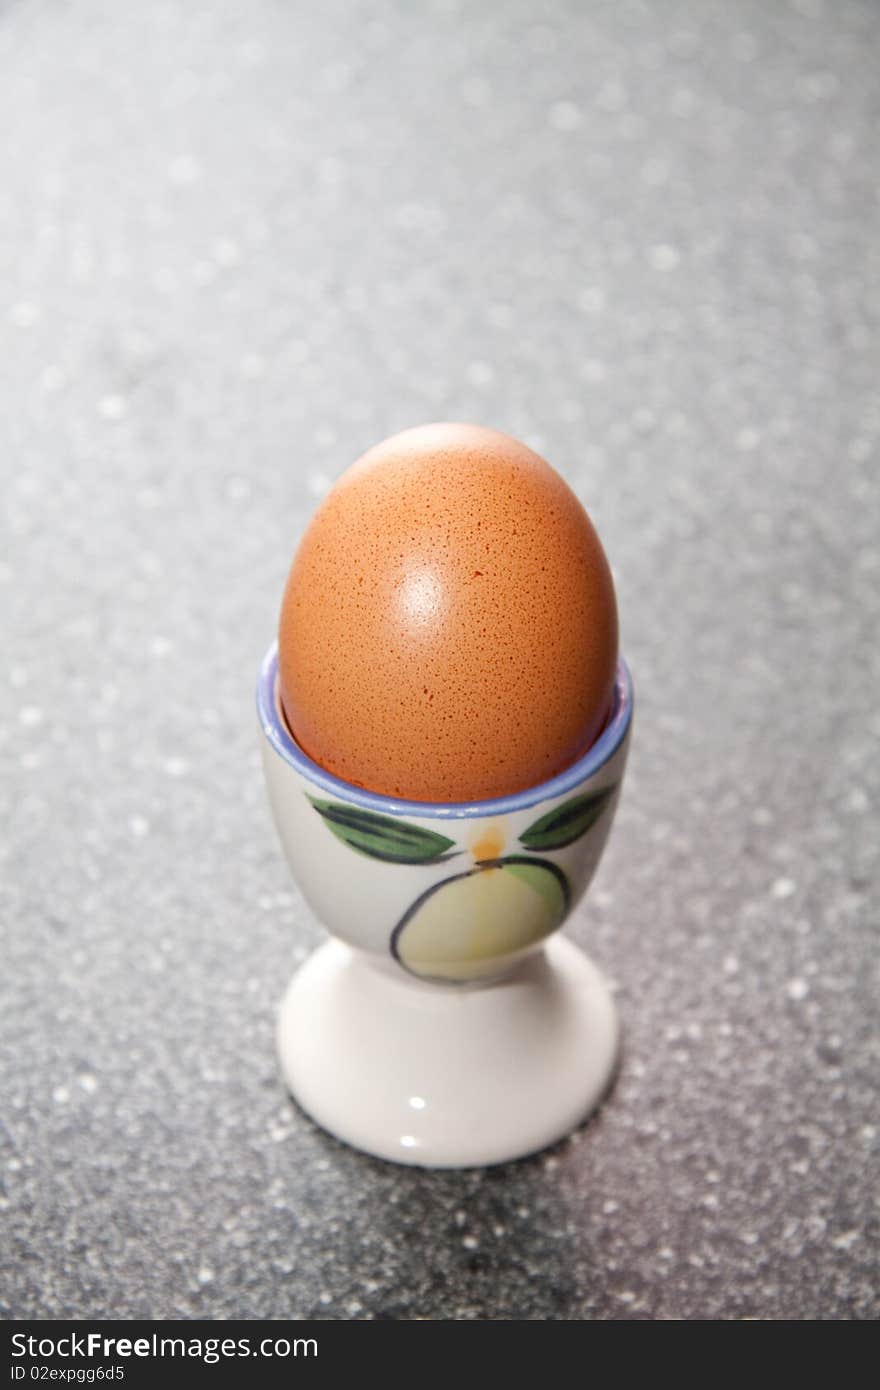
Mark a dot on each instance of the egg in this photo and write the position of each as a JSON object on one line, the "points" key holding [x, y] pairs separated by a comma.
{"points": [[448, 630]]}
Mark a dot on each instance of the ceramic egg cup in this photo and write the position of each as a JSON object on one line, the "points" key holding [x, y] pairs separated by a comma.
{"points": [[443, 1024]]}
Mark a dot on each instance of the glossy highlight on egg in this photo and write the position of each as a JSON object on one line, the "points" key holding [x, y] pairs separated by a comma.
{"points": [[448, 630]]}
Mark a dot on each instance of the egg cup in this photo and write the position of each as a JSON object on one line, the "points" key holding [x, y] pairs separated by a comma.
{"points": [[443, 1024]]}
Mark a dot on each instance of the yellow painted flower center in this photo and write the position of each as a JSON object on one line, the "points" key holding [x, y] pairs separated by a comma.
{"points": [[489, 842]]}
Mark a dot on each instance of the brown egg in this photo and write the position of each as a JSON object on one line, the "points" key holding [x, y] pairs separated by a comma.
{"points": [[449, 628]]}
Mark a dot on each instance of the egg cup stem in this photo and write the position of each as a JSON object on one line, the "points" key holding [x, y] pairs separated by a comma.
{"points": [[445, 1076]]}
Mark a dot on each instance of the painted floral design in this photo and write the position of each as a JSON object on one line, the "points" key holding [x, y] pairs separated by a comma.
{"points": [[464, 927]]}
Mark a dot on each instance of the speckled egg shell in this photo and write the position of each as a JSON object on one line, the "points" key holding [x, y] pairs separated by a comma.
{"points": [[449, 628]]}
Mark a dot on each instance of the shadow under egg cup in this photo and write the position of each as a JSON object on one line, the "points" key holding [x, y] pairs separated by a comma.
{"points": [[443, 1024]]}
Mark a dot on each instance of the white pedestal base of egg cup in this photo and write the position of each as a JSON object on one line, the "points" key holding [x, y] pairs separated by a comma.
{"points": [[443, 1025]]}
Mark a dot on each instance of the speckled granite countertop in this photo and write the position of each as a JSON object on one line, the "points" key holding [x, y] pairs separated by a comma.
{"points": [[239, 244]]}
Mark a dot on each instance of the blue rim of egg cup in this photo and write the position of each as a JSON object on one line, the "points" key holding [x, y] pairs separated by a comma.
{"points": [[595, 758]]}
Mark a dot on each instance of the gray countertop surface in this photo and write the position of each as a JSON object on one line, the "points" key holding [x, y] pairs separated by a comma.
{"points": [[238, 245]]}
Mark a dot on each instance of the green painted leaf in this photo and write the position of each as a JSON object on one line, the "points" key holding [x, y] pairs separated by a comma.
{"points": [[382, 837], [568, 822]]}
